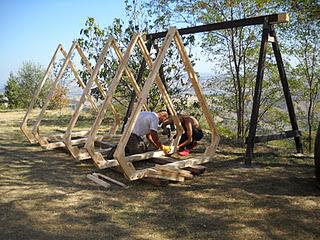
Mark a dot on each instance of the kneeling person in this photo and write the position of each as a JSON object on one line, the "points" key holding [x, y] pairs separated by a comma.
{"points": [[192, 133], [146, 125]]}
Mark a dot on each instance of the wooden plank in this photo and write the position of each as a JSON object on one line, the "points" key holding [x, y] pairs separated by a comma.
{"points": [[86, 92], [78, 78], [286, 90], [54, 145], [132, 158], [154, 181], [279, 136], [257, 94], [189, 162], [59, 137], [98, 180], [272, 19], [184, 173], [133, 94], [130, 75], [103, 144], [110, 180], [112, 88], [163, 174]]}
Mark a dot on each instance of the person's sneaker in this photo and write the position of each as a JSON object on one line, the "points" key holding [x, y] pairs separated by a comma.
{"points": [[184, 152]]}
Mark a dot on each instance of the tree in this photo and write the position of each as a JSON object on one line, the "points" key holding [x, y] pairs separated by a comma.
{"points": [[12, 92], [21, 87], [233, 50], [92, 38], [60, 98], [303, 42]]}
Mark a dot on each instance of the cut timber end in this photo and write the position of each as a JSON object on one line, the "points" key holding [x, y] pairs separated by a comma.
{"points": [[283, 18]]}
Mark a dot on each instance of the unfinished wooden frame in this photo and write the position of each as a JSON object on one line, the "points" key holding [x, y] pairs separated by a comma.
{"points": [[97, 157], [80, 152], [24, 124], [55, 141], [170, 171]]}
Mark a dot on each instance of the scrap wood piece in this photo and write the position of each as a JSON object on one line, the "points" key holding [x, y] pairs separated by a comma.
{"points": [[189, 162], [110, 179], [163, 174], [132, 158], [184, 173], [98, 180]]}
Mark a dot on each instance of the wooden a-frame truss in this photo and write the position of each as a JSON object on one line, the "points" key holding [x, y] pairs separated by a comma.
{"points": [[24, 124], [79, 152], [170, 171], [55, 141]]}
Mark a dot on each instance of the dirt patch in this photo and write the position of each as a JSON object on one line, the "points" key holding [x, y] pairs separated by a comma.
{"points": [[46, 195]]}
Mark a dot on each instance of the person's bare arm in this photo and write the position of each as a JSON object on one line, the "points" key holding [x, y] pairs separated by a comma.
{"points": [[154, 139], [188, 125]]}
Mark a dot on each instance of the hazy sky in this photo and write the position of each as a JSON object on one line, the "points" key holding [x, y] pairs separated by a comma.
{"points": [[32, 29]]}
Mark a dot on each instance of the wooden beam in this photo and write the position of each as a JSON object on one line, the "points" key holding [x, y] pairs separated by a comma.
{"points": [[279, 136], [286, 90], [257, 93], [189, 162], [164, 174], [184, 173], [271, 19], [98, 181], [132, 158], [110, 180]]}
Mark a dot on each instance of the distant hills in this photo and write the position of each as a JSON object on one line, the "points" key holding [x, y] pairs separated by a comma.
{"points": [[75, 91]]}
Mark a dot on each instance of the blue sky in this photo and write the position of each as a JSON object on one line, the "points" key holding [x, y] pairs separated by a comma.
{"points": [[32, 29]]}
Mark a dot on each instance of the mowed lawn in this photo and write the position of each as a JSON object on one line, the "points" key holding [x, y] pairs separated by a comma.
{"points": [[46, 195]]}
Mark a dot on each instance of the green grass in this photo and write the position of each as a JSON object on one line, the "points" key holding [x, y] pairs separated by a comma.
{"points": [[46, 195]]}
